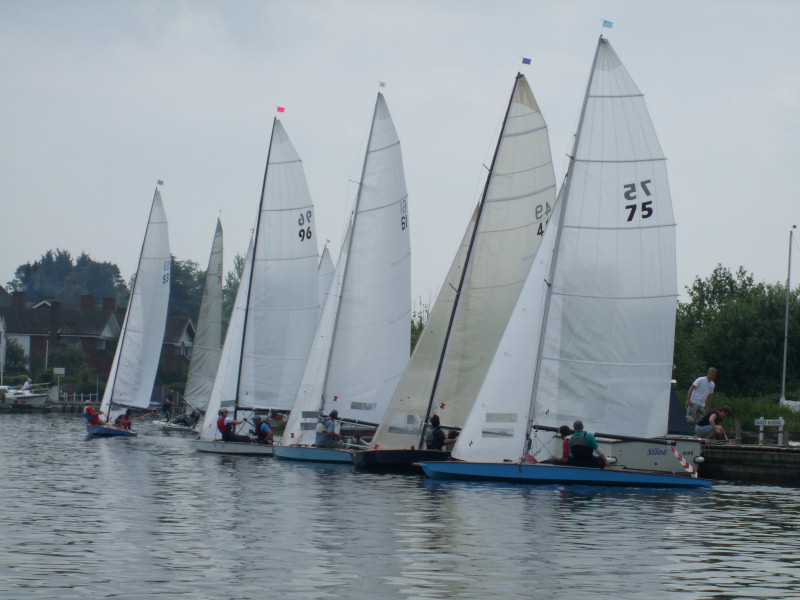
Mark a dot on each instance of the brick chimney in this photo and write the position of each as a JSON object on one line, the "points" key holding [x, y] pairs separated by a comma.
{"points": [[110, 304], [55, 320], [87, 302], [18, 299]]}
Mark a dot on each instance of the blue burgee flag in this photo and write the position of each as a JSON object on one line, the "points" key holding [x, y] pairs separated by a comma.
{"points": [[159, 182], [608, 24], [526, 61]]}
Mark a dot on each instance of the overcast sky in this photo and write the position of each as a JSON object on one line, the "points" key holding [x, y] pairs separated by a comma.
{"points": [[99, 99]]}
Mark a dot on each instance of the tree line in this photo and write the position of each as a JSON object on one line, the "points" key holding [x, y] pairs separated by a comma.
{"points": [[730, 321]]}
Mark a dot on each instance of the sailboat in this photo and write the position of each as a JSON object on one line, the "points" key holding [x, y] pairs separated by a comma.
{"points": [[133, 370], [207, 342], [362, 343], [464, 328], [591, 336], [276, 308]]}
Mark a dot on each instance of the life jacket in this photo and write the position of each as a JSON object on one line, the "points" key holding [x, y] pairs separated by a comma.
{"points": [[578, 447], [90, 415], [430, 438], [221, 424], [262, 435]]}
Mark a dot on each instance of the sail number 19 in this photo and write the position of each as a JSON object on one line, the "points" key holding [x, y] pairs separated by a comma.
{"points": [[645, 207]]}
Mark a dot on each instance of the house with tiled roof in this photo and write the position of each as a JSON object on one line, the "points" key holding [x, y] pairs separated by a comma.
{"points": [[94, 329]]}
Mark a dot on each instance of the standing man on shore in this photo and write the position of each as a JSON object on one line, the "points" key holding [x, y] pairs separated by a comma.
{"points": [[698, 400]]}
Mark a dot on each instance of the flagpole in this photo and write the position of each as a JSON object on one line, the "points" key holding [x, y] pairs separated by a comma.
{"points": [[786, 318]]}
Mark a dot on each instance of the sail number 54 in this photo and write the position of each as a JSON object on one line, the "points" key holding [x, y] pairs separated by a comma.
{"points": [[645, 207]]}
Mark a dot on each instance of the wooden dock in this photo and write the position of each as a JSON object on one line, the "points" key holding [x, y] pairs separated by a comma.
{"points": [[751, 463]]}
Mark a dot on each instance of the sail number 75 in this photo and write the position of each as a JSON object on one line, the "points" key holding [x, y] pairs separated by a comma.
{"points": [[645, 207]]}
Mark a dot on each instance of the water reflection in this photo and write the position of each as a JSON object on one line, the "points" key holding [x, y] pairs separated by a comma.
{"points": [[148, 516]]}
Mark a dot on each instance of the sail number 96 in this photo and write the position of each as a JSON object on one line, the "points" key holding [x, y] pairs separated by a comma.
{"points": [[645, 207], [304, 233]]}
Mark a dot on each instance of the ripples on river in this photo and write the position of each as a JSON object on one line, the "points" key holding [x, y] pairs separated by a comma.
{"points": [[149, 517]]}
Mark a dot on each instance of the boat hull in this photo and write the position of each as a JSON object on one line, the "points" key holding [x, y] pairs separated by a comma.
{"points": [[396, 461], [108, 431], [557, 474], [175, 427], [220, 447], [313, 454]]}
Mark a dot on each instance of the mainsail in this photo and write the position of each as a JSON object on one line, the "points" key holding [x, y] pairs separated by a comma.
{"points": [[485, 279], [277, 304], [362, 342], [133, 371], [207, 341]]}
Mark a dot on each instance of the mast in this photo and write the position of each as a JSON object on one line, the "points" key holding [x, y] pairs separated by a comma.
{"points": [[562, 211], [252, 268], [467, 262], [786, 318]]}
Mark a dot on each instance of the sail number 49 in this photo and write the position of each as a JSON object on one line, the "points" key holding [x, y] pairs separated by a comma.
{"points": [[645, 207]]}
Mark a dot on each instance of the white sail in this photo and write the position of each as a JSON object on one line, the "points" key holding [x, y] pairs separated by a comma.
{"points": [[325, 271], [369, 342], [497, 426], [608, 342], [283, 303], [223, 392], [402, 425], [207, 341], [133, 370], [517, 202], [605, 351]]}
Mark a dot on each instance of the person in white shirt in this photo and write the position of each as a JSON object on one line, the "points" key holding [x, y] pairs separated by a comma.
{"points": [[698, 400]]}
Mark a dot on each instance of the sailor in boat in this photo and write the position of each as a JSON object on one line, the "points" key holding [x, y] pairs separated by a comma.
{"points": [[326, 434], [189, 418], [93, 417], [710, 426], [227, 427], [582, 447], [435, 439], [262, 431], [124, 420], [27, 384]]}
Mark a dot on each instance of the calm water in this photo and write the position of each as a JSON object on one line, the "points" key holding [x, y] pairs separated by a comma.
{"points": [[149, 517]]}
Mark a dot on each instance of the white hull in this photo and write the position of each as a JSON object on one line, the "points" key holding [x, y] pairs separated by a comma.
{"points": [[24, 398], [220, 447], [313, 454]]}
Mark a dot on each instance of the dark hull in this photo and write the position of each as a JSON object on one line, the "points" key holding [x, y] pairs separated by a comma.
{"points": [[396, 461]]}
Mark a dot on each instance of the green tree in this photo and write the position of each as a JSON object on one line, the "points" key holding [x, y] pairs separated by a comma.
{"points": [[229, 290], [16, 361], [737, 325], [56, 276], [419, 316], [186, 288]]}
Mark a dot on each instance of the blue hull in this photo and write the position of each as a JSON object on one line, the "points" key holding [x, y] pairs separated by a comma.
{"points": [[108, 431], [556, 474], [312, 454]]}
